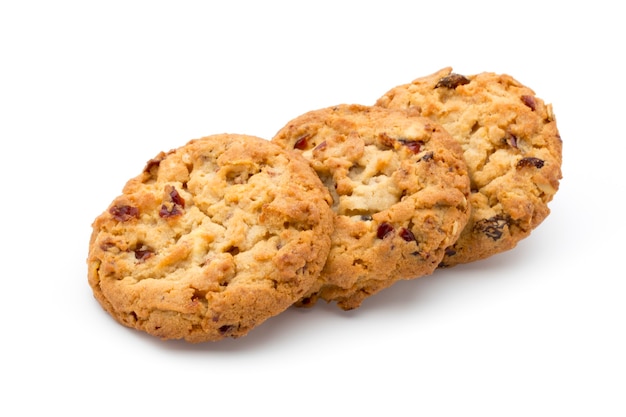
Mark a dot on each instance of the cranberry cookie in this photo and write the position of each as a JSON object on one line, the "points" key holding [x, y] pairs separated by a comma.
{"points": [[211, 239], [399, 187], [511, 146]]}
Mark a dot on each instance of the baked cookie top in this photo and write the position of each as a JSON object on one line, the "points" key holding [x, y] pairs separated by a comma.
{"points": [[399, 187], [211, 239], [511, 146]]}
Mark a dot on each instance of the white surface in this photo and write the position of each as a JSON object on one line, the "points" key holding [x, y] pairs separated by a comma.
{"points": [[89, 93]]}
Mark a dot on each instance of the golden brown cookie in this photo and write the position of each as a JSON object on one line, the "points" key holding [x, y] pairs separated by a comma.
{"points": [[399, 187], [511, 146], [211, 239]]}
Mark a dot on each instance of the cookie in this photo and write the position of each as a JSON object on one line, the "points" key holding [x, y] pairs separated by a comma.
{"points": [[511, 146], [211, 239], [399, 187]]}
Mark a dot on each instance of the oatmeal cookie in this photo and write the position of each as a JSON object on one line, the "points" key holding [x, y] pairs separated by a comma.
{"points": [[399, 187], [511, 146], [211, 239]]}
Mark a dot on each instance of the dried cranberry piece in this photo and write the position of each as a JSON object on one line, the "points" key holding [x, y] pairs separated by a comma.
{"points": [[178, 203], [165, 213], [105, 246], [383, 230], [511, 140], [154, 162], [176, 198], [414, 146], [143, 253], [302, 142], [529, 101], [407, 235], [492, 227], [124, 213], [530, 162], [452, 81]]}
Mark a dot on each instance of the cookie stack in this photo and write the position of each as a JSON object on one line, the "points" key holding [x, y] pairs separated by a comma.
{"points": [[217, 236]]}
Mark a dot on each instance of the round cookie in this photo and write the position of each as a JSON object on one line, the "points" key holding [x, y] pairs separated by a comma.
{"points": [[399, 187], [510, 143], [211, 239]]}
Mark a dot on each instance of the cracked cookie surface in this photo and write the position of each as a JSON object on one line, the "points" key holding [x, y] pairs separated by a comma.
{"points": [[399, 187], [211, 239], [511, 146]]}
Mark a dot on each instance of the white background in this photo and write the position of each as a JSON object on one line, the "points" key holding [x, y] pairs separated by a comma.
{"points": [[89, 91]]}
